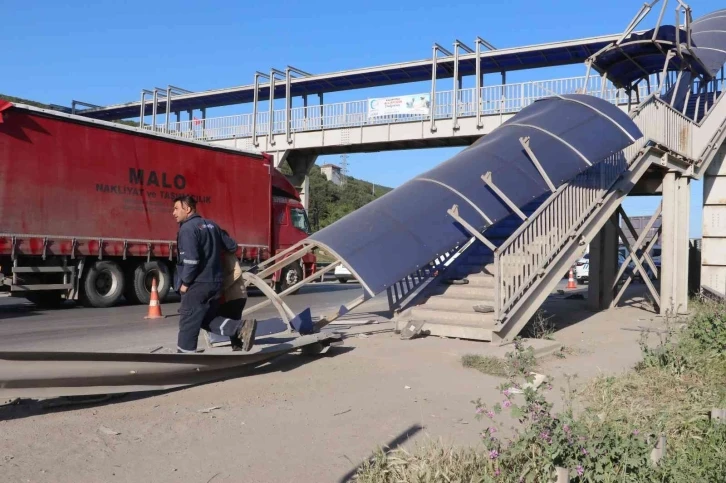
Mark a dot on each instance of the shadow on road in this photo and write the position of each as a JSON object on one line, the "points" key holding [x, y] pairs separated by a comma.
{"points": [[25, 408], [392, 445]]}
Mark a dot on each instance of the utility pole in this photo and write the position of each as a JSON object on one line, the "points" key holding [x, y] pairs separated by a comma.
{"points": [[344, 168]]}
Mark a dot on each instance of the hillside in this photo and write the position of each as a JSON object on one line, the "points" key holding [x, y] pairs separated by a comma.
{"points": [[330, 202]]}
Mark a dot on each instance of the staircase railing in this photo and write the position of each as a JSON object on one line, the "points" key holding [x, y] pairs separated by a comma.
{"points": [[403, 291], [663, 125], [525, 255]]}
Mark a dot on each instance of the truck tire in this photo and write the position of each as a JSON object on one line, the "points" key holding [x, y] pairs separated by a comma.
{"points": [[289, 276], [103, 284], [140, 287]]}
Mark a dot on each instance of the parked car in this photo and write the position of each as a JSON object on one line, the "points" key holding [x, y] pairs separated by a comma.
{"points": [[342, 274], [582, 269]]}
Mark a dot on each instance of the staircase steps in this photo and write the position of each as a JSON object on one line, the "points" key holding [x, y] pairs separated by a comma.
{"points": [[457, 304], [448, 308]]}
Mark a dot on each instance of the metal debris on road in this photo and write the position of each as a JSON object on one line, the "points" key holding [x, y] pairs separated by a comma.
{"points": [[209, 410]]}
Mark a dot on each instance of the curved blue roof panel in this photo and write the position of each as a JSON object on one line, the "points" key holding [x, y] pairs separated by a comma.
{"points": [[640, 55], [709, 38], [394, 235]]}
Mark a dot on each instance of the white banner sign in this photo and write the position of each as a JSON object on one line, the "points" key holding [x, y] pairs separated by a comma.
{"points": [[418, 104]]}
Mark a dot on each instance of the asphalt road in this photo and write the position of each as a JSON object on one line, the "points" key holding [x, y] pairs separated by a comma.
{"points": [[123, 328]]}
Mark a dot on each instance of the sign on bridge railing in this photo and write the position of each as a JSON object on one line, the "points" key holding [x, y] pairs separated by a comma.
{"points": [[417, 104]]}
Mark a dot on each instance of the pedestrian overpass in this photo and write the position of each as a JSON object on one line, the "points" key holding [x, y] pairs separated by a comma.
{"points": [[494, 256], [473, 247]]}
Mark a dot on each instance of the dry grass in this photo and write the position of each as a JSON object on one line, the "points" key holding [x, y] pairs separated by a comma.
{"points": [[433, 462], [653, 398], [540, 327], [673, 390], [486, 364]]}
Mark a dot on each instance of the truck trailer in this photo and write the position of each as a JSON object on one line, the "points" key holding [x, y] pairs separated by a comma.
{"points": [[86, 207]]}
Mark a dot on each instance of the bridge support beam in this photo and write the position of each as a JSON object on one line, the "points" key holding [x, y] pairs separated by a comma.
{"points": [[603, 265], [300, 164], [674, 247]]}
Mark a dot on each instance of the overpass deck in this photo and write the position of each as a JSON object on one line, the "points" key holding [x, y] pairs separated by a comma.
{"points": [[496, 100], [443, 64]]}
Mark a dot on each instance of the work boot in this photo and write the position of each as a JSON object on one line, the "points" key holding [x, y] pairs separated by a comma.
{"points": [[236, 343], [247, 334]]}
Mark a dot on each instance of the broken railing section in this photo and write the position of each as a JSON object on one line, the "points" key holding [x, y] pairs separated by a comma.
{"points": [[302, 322], [56, 374]]}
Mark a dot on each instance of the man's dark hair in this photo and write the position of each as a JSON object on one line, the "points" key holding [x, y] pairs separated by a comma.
{"points": [[187, 200]]}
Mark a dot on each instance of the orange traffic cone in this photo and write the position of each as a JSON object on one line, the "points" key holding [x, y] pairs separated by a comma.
{"points": [[154, 304], [571, 281]]}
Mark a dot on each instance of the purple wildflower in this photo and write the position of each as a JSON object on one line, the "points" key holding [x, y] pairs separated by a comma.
{"points": [[580, 470], [507, 403], [549, 387], [636, 432], [506, 392], [492, 430], [566, 428], [497, 472], [490, 414], [584, 451], [493, 454], [479, 410]]}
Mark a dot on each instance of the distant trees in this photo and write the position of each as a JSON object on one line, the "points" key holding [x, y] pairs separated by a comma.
{"points": [[330, 202]]}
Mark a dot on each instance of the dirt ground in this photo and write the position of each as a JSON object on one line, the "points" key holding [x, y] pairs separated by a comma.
{"points": [[299, 418]]}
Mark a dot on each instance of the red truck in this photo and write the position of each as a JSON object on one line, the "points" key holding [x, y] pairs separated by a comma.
{"points": [[85, 207]]}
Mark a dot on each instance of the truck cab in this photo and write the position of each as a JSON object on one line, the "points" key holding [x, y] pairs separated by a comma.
{"points": [[290, 225]]}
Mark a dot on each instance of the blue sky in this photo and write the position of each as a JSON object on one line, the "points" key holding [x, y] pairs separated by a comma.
{"points": [[105, 52]]}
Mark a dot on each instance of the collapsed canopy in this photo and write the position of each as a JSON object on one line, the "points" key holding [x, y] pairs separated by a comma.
{"points": [[405, 229]]}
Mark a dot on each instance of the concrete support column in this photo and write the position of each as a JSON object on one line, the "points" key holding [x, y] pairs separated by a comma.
{"points": [[603, 265], [305, 192], [713, 247], [674, 245]]}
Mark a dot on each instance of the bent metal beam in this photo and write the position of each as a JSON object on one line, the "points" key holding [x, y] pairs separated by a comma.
{"points": [[55, 374]]}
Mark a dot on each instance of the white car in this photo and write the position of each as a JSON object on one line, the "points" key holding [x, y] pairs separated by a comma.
{"points": [[582, 269], [582, 266], [342, 274]]}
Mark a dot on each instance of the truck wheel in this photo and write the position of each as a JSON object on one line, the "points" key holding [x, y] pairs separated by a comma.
{"points": [[103, 285], [140, 289], [290, 275]]}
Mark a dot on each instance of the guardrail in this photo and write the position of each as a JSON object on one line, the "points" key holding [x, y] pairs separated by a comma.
{"points": [[495, 99]]}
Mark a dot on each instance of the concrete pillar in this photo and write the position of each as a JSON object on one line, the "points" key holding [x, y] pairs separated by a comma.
{"points": [[674, 244], [305, 192], [603, 265], [713, 247]]}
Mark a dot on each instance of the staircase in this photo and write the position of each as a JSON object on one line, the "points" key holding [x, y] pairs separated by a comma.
{"points": [[509, 285], [448, 304]]}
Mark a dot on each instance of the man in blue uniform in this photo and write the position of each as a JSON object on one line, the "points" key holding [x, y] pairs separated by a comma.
{"points": [[199, 275]]}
